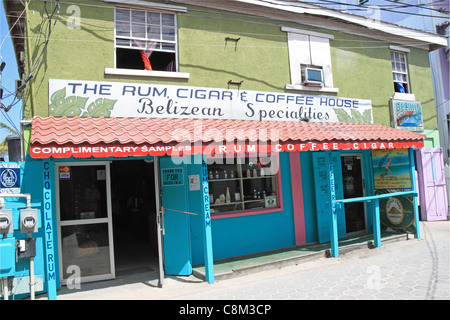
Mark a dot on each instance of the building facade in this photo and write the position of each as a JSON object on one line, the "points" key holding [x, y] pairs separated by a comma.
{"points": [[192, 131]]}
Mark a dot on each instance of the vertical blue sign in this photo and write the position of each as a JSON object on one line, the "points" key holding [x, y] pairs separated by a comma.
{"points": [[207, 237], [333, 224], [50, 258]]}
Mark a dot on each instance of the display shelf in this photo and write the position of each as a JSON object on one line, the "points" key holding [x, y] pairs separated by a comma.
{"points": [[224, 204], [260, 177], [228, 179], [243, 182]]}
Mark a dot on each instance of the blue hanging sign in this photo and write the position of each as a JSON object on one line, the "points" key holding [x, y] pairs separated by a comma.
{"points": [[207, 234]]}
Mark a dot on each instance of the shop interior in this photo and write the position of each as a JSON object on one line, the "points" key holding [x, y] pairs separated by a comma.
{"points": [[134, 216], [353, 188]]}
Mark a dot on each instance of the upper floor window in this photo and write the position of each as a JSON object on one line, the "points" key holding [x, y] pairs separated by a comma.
{"points": [[309, 60], [400, 72], [145, 40]]}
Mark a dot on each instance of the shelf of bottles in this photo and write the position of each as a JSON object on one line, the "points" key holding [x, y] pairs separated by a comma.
{"points": [[241, 186]]}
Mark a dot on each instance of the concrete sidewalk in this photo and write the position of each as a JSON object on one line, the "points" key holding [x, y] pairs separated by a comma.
{"points": [[408, 267]]}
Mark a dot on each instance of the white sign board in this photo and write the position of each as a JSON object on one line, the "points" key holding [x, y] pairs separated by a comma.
{"points": [[117, 99]]}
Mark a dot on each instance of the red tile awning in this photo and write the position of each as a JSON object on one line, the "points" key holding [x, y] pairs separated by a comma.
{"points": [[64, 137]]}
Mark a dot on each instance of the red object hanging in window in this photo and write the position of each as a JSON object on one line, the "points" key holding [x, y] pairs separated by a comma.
{"points": [[146, 61]]}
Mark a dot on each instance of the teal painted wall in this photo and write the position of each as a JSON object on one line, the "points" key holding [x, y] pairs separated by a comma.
{"points": [[249, 234], [233, 236], [31, 183], [309, 193]]}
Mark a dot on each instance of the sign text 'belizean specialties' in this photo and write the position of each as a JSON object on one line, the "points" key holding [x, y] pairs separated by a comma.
{"points": [[117, 99]]}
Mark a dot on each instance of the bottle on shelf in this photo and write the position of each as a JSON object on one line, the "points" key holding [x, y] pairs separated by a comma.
{"points": [[227, 197], [255, 173], [216, 176], [249, 174], [225, 174], [210, 175], [232, 174], [255, 195]]}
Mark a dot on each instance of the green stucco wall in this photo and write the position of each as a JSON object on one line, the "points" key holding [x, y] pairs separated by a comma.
{"points": [[361, 66], [362, 69]]}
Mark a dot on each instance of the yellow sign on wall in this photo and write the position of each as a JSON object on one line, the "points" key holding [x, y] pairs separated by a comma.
{"points": [[391, 169]]}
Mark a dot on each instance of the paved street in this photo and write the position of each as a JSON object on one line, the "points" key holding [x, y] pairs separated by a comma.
{"points": [[416, 269]]}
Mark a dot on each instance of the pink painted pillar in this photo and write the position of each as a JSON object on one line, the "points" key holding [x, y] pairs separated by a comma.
{"points": [[297, 198]]}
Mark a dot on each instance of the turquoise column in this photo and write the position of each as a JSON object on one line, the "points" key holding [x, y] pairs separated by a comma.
{"points": [[414, 188], [333, 217], [50, 258], [376, 223], [206, 219]]}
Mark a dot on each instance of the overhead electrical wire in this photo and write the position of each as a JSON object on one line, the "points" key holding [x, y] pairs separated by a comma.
{"points": [[50, 29], [236, 18], [356, 7], [420, 5], [30, 74], [409, 43], [259, 20], [288, 3], [318, 3], [202, 16], [197, 16], [9, 32]]}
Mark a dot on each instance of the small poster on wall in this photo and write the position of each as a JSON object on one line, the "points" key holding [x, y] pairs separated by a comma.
{"points": [[194, 182], [391, 169], [64, 173]]}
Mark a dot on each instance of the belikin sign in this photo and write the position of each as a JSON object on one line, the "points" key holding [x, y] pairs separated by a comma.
{"points": [[116, 99]]}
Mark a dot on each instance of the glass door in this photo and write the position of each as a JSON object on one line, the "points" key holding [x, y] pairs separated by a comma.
{"points": [[84, 220], [353, 181]]}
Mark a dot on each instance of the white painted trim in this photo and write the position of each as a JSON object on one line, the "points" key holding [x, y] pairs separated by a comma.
{"points": [[307, 32], [146, 4], [310, 89], [309, 49], [107, 219], [397, 48], [146, 73], [404, 96]]}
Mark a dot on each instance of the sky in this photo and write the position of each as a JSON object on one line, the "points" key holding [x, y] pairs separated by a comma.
{"points": [[8, 77]]}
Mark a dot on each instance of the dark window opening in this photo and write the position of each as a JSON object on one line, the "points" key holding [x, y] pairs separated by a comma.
{"points": [[132, 59], [401, 87]]}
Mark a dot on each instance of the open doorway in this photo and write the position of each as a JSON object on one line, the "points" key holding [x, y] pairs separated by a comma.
{"points": [[134, 216], [352, 176]]}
